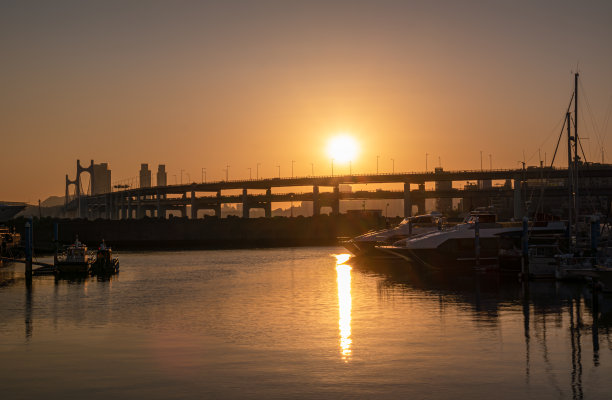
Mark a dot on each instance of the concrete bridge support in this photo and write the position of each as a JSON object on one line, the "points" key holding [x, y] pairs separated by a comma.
{"points": [[407, 200], [218, 206], [129, 207], [336, 201], [268, 206], [316, 205], [161, 213], [421, 201], [245, 204], [194, 208], [140, 211]]}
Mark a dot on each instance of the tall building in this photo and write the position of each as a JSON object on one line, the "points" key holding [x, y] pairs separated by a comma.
{"points": [[162, 176], [101, 179], [145, 176]]}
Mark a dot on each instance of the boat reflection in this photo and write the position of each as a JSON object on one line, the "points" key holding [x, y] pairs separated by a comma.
{"points": [[344, 304], [574, 307]]}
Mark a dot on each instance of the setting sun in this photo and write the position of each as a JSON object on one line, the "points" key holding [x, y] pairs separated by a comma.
{"points": [[342, 148]]}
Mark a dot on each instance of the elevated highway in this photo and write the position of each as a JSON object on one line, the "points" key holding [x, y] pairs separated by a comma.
{"points": [[189, 198]]}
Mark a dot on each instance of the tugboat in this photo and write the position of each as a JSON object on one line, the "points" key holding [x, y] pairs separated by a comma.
{"points": [[74, 259], [105, 263]]}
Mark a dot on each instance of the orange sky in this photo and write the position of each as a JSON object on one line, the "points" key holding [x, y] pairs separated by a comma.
{"points": [[207, 84]]}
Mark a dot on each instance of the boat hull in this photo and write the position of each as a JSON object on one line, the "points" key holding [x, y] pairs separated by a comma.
{"points": [[105, 268], [72, 267]]}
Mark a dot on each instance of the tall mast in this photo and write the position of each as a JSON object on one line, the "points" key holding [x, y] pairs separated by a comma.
{"points": [[576, 144], [570, 179]]}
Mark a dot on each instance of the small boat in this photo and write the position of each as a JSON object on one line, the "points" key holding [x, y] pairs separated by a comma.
{"points": [[10, 244], [105, 263], [74, 259], [365, 245]]}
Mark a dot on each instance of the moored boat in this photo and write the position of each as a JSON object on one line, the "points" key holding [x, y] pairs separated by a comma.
{"points": [[477, 242], [74, 259], [365, 245], [105, 263]]}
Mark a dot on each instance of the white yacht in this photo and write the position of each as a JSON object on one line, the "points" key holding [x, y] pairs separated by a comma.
{"points": [[457, 246], [365, 245]]}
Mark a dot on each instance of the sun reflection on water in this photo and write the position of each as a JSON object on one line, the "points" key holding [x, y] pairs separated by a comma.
{"points": [[344, 305]]}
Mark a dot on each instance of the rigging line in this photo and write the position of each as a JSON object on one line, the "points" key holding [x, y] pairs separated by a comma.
{"points": [[563, 127], [593, 122], [596, 128], [558, 141], [606, 120], [589, 196], [545, 140]]}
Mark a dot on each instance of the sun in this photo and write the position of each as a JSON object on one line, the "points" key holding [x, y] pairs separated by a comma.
{"points": [[342, 148]]}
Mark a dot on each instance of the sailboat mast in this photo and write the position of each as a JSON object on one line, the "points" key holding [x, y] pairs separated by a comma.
{"points": [[570, 178], [576, 144]]}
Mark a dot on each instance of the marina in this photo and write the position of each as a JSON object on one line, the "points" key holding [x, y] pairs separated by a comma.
{"points": [[306, 200]]}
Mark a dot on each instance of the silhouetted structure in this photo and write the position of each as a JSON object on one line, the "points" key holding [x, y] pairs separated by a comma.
{"points": [[101, 180], [162, 176], [519, 199], [145, 176]]}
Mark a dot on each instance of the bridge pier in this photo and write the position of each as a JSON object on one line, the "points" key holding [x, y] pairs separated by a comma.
{"points": [[407, 200], [336, 201], [268, 206], [316, 205], [129, 207], [139, 209], [245, 204], [421, 201], [218, 205], [161, 213], [194, 208]]}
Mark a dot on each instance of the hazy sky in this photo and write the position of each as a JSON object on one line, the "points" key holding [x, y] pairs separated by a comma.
{"points": [[208, 84]]}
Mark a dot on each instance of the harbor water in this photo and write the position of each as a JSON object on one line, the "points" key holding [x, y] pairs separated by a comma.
{"points": [[298, 323]]}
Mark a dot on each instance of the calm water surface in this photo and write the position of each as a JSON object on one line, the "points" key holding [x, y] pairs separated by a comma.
{"points": [[291, 323]]}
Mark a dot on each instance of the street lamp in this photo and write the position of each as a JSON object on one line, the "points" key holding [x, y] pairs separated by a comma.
{"points": [[393, 168], [278, 166], [332, 167], [250, 177], [312, 169], [203, 175], [188, 177], [182, 176], [350, 167], [377, 157], [227, 173], [292, 162], [257, 176], [426, 155], [174, 178]]}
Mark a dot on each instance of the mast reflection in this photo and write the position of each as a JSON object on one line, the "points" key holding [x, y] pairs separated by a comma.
{"points": [[344, 305]]}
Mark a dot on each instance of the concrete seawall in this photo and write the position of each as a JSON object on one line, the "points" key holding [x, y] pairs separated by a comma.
{"points": [[182, 233]]}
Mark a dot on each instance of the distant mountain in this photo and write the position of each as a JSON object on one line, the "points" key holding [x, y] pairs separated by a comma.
{"points": [[53, 201]]}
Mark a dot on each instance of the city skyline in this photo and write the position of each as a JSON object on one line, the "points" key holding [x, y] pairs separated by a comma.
{"points": [[264, 86]]}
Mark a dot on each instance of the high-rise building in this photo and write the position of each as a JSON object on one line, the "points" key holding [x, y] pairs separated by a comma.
{"points": [[145, 176], [101, 179], [162, 177]]}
